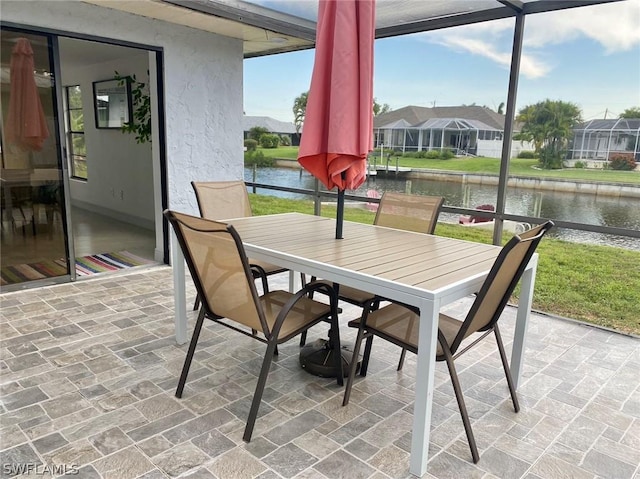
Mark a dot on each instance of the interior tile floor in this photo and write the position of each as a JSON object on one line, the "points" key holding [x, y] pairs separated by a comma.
{"points": [[89, 370]]}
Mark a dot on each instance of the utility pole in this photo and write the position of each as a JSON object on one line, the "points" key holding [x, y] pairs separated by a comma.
{"points": [[606, 110]]}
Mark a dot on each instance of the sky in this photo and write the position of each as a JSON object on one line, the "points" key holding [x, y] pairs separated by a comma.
{"points": [[589, 56]]}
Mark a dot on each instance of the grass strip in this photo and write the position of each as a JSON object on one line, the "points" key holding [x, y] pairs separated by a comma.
{"points": [[595, 284]]}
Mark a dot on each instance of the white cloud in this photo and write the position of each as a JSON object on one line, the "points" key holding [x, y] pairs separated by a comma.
{"points": [[615, 26]]}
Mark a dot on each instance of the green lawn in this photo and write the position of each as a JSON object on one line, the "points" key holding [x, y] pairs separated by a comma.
{"points": [[595, 284], [489, 166]]}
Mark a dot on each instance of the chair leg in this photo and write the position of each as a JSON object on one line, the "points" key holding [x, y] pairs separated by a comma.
{"points": [[257, 395], [507, 370], [463, 409], [189, 358], [365, 357], [401, 362], [196, 303], [334, 331], [367, 347], [303, 338], [353, 366]]}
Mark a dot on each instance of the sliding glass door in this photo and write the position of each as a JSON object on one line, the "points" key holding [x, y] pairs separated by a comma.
{"points": [[34, 240]]}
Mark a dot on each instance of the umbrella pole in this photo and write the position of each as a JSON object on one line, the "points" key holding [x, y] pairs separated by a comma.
{"points": [[340, 214]]}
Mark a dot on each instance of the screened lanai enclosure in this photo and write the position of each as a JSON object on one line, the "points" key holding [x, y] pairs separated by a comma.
{"points": [[460, 135], [274, 27], [599, 139]]}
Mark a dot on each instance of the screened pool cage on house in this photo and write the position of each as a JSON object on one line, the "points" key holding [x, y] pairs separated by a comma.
{"points": [[599, 139], [462, 136]]}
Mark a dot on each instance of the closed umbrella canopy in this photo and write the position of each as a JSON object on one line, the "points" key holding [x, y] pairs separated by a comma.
{"points": [[26, 124], [338, 125]]}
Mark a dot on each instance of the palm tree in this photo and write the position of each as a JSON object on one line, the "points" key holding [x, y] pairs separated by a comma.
{"points": [[299, 110], [549, 125]]}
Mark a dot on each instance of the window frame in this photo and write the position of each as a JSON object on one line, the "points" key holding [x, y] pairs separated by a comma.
{"points": [[71, 133]]}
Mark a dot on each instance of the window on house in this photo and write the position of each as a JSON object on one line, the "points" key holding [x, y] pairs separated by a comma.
{"points": [[75, 133]]}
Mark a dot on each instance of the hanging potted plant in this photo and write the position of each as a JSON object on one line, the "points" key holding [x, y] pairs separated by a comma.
{"points": [[140, 124]]}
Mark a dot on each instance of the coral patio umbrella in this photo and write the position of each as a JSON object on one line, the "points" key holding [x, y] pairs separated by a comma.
{"points": [[338, 124], [26, 124]]}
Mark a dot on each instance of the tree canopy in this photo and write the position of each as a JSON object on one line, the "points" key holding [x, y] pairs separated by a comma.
{"points": [[256, 132], [633, 112], [549, 125]]}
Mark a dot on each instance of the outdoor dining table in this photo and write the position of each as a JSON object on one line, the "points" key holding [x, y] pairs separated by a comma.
{"points": [[425, 271]]}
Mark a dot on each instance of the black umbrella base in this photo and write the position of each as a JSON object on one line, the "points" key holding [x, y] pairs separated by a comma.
{"points": [[317, 358]]}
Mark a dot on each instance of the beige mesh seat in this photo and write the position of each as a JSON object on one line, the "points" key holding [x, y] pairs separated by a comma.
{"points": [[225, 282], [219, 200], [399, 324], [400, 211]]}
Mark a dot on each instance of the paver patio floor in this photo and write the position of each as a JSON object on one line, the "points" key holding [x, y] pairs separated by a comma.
{"points": [[89, 371]]}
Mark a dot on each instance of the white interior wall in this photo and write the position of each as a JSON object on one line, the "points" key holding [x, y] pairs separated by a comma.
{"points": [[119, 170], [203, 88]]}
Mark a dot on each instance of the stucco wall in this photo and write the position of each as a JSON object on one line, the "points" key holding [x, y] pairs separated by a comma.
{"points": [[203, 87]]}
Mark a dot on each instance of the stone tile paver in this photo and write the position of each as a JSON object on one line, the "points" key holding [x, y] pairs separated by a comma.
{"points": [[90, 369]]}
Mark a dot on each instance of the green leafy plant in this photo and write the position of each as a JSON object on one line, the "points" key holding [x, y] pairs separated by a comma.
{"points": [[140, 124], [258, 159], [250, 144], [285, 140], [527, 154], [269, 140], [447, 154], [579, 164], [256, 132]]}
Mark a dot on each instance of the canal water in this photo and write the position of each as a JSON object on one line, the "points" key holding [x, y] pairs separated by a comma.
{"points": [[580, 208]]}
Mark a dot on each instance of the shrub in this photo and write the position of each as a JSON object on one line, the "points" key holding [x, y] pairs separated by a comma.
{"points": [[285, 140], [447, 154], [579, 164], [250, 144], [256, 132], [432, 154], [527, 154], [257, 158], [269, 141], [622, 161]]}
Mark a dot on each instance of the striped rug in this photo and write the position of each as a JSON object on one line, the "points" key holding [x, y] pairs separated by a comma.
{"points": [[85, 265]]}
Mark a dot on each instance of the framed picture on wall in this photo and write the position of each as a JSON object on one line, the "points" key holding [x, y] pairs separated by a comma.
{"points": [[112, 103]]}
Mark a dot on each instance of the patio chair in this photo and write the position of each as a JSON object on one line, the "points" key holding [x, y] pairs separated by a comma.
{"points": [[219, 200], [399, 323], [401, 211], [226, 285]]}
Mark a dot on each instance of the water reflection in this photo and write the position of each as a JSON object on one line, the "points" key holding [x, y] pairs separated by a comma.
{"points": [[580, 208]]}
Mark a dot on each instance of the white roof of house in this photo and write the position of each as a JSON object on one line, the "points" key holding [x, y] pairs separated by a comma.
{"points": [[271, 124]]}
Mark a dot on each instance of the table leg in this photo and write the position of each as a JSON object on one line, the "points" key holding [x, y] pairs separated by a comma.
{"points": [[294, 281], [427, 347], [522, 320], [179, 290]]}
